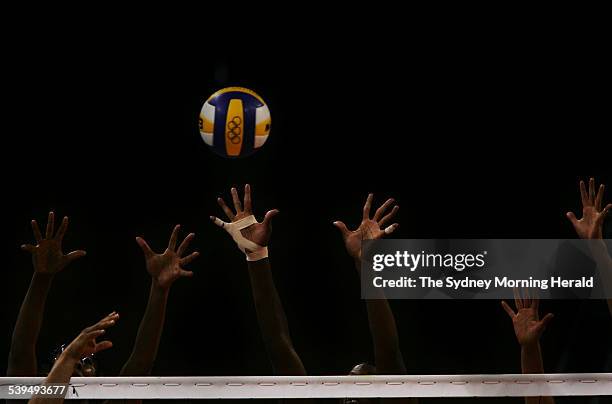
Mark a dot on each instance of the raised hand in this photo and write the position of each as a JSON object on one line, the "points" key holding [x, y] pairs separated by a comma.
{"points": [[369, 229], [85, 343], [528, 327], [591, 223], [167, 267], [47, 255], [70, 360], [257, 234]]}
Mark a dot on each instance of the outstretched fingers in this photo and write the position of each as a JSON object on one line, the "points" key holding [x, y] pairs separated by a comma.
{"points": [[508, 309], [248, 205], [59, 236], [186, 260], [185, 244], [36, 230], [518, 302], [535, 301], [185, 274], [583, 194], [367, 207], [94, 334], [592, 191], [236, 200], [228, 212], [382, 209], [218, 221], [526, 299], [599, 197], [50, 225], [103, 324], [388, 216], [173, 238]]}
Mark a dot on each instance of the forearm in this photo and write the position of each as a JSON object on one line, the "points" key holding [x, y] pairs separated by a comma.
{"points": [[385, 338], [272, 320], [140, 362], [600, 253], [270, 312], [531, 359], [60, 374], [22, 356], [383, 330], [603, 261], [531, 362]]}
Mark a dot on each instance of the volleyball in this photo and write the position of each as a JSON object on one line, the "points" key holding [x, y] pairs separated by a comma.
{"points": [[235, 122]]}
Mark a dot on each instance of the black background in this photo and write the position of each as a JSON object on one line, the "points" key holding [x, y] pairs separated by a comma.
{"points": [[474, 144]]}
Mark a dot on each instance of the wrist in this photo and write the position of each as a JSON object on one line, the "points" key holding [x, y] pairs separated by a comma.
{"points": [[257, 255], [43, 276], [531, 346], [597, 245], [69, 356], [158, 289]]}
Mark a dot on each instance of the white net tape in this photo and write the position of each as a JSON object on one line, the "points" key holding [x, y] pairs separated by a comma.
{"points": [[512, 385]]}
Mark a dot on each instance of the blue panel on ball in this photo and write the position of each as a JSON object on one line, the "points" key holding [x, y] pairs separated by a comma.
{"points": [[248, 145], [249, 105], [219, 129], [247, 99]]}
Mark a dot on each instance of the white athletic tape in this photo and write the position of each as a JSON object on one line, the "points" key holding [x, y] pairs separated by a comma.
{"points": [[390, 229], [256, 251], [245, 222], [257, 254], [520, 385]]}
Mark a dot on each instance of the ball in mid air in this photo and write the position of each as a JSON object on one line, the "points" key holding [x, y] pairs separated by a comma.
{"points": [[235, 122]]}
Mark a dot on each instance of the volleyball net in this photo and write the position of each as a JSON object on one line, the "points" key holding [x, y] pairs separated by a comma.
{"points": [[287, 387]]}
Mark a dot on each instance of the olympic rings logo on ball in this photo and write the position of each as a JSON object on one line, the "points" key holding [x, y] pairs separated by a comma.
{"points": [[234, 130], [235, 122]]}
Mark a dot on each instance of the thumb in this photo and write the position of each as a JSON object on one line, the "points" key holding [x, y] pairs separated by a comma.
{"points": [[572, 218], [342, 227], [144, 246], [28, 247], [267, 221], [544, 322], [75, 255]]}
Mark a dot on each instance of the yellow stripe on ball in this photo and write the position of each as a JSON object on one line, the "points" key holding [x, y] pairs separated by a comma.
{"points": [[234, 127]]}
